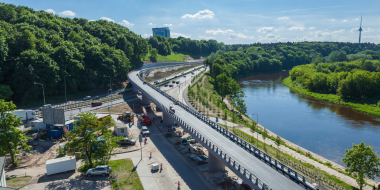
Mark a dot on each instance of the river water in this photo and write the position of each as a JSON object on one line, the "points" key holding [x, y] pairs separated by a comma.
{"points": [[324, 128]]}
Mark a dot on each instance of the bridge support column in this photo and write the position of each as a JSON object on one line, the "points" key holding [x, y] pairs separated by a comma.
{"points": [[134, 88], [145, 100], [214, 164], [168, 120]]}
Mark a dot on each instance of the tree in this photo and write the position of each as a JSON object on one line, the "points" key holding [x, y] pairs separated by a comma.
{"points": [[92, 137], [265, 135], [252, 127], [11, 138], [362, 160], [278, 142], [5, 92], [153, 54]]}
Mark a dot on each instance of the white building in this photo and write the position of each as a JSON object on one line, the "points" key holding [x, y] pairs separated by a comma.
{"points": [[121, 130], [3, 182]]}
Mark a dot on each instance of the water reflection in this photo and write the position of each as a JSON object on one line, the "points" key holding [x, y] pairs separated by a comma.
{"points": [[322, 127]]}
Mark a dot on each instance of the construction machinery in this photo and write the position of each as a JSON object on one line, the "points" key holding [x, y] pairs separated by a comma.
{"points": [[171, 108], [127, 116], [145, 119]]}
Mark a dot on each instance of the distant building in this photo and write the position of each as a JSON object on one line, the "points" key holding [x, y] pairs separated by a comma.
{"points": [[164, 32]]}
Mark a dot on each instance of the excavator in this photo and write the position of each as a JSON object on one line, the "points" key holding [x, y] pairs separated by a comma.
{"points": [[127, 116]]}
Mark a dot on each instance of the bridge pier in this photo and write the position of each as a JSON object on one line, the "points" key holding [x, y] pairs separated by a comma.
{"points": [[168, 120], [134, 88], [214, 164], [145, 100]]}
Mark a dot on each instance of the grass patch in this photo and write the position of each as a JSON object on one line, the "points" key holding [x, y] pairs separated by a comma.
{"points": [[18, 182], [168, 58], [305, 168], [360, 106], [126, 174]]}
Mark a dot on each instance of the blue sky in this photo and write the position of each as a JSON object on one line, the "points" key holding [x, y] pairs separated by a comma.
{"points": [[231, 22]]}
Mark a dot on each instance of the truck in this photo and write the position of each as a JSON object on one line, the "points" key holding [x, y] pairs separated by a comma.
{"points": [[145, 119], [25, 114], [60, 165]]}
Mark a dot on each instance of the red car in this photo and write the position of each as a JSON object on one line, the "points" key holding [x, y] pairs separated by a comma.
{"points": [[93, 104]]}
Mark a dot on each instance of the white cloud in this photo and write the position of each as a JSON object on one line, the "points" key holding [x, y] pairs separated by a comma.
{"points": [[147, 35], [344, 20], [151, 24], [201, 14], [283, 18], [182, 24], [207, 38], [332, 20], [355, 19], [67, 13], [50, 11], [240, 36], [312, 28], [245, 30], [296, 28], [303, 39], [339, 31], [364, 30], [175, 35], [267, 29], [167, 25], [372, 37], [107, 19], [271, 37], [126, 23], [214, 32]]}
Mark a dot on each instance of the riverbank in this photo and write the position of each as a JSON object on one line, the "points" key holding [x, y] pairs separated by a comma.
{"points": [[364, 108]]}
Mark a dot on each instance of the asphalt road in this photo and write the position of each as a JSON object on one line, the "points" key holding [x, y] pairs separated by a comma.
{"points": [[270, 176]]}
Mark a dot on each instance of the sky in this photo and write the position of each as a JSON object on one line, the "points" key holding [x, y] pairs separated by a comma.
{"points": [[231, 21]]}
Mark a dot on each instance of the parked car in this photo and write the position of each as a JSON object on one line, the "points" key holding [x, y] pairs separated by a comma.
{"points": [[173, 81], [177, 82], [145, 131], [93, 104], [144, 82], [126, 141], [170, 85], [166, 85], [87, 98], [96, 97], [99, 170]]}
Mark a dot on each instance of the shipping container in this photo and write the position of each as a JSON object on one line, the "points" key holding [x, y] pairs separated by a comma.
{"points": [[37, 125], [54, 134], [60, 165], [25, 114]]}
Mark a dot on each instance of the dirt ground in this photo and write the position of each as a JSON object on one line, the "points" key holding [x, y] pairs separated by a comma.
{"points": [[121, 108], [163, 74]]}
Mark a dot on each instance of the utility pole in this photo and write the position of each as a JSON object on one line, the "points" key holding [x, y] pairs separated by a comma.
{"points": [[43, 92], [64, 78], [140, 140], [257, 128]]}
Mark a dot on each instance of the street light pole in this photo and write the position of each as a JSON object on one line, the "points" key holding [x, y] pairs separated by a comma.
{"points": [[64, 78], [43, 92], [257, 128], [110, 87]]}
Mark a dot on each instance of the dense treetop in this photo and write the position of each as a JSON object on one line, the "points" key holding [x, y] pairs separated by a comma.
{"points": [[36, 46]]}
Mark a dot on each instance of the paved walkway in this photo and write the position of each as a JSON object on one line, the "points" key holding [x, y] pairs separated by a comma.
{"points": [[145, 174]]}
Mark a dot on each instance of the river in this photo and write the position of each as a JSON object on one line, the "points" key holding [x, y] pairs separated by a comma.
{"points": [[325, 128]]}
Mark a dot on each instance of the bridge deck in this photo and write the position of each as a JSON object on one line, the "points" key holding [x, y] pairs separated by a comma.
{"points": [[270, 176]]}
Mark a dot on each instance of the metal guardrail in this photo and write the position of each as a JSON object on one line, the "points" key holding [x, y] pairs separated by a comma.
{"points": [[286, 170]]}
